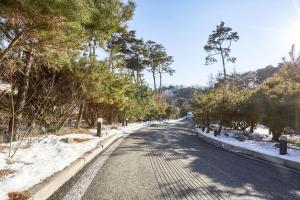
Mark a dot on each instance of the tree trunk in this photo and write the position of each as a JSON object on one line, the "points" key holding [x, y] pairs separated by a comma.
{"points": [[207, 122], [160, 82], [252, 127], [110, 64], [138, 76], [154, 80], [275, 134], [223, 63], [23, 87], [133, 76], [65, 118], [224, 70], [90, 51], [12, 128], [24, 83], [88, 121], [80, 114], [110, 116]]}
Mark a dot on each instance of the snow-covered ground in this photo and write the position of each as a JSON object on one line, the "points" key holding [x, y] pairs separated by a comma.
{"points": [[176, 120], [266, 146], [4, 87], [47, 155], [262, 130]]}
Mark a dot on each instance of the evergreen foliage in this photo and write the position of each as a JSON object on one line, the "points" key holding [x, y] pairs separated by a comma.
{"points": [[273, 101], [51, 59]]}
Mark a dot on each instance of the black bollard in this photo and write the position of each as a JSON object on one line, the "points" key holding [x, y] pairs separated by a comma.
{"points": [[99, 126], [283, 145], [216, 133]]}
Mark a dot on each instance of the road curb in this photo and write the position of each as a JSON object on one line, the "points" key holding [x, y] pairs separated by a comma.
{"points": [[50, 185], [239, 150]]}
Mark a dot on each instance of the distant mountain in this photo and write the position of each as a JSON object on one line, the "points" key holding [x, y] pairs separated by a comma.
{"points": [[180, 95], [254, 78]]}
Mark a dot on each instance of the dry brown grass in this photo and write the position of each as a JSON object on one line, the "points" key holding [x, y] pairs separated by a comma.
{"points": [[6, 172], [75, 140], [294, 140], [19, 195], [114, 126], [80, 140], [71, 131]]}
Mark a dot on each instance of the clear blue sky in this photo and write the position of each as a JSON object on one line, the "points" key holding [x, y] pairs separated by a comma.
{"points": [[267, 29]]}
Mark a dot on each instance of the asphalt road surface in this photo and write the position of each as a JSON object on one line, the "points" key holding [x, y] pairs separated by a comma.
{"points": [[170, 162]]}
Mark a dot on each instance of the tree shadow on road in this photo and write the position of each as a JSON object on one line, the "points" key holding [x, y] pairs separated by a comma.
{"points": [[216, 170]]}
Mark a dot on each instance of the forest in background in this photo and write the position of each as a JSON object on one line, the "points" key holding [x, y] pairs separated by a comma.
{"points": [[68, 63], [268, 96]]}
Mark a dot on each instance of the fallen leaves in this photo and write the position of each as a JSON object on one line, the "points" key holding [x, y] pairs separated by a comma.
{"points": [[19, 195], [71, 131], [6, 172], [75, 140]]}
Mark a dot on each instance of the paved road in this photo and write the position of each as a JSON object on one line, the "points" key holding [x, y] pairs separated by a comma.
{"points": [[169, 162]]}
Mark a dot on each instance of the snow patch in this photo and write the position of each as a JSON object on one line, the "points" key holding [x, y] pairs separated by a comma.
{"points": [[265, 147], [48, 155]]}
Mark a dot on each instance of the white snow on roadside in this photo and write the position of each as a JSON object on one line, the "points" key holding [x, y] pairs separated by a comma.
{"points": [[262, 130], [266, 147], [49, 155], [3, 194], [176, 120], [42, 159], [5, 87]]}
